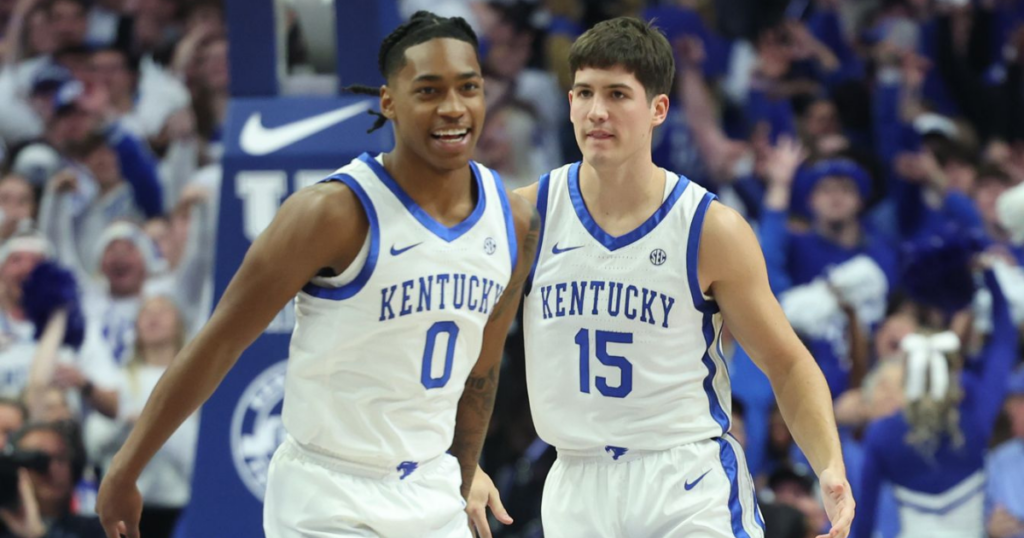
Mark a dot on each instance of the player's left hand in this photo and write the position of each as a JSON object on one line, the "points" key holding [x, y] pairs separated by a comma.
{"points": [[483, 494], [839, 503]]}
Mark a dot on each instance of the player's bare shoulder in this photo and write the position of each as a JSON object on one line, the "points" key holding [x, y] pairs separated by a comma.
{"points": [[720, 223], [524, 214], [529, 192], [331, 213], [727, 245]]}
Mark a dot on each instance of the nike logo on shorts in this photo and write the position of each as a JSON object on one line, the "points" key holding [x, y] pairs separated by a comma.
{"points": [[691, 485]]}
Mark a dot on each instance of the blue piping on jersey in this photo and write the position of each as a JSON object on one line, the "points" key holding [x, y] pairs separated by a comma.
{"points": [[510, 226], [731, 467], [610, 242], [446, 233], [352, 288], [692, 249], [717, 412], [542, 210], [945, 509], [708, 308]]}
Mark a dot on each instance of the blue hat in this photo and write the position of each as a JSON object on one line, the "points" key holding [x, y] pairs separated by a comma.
{"points": [[50, 77], [936, 266], [1015, 386], [808, 178]]}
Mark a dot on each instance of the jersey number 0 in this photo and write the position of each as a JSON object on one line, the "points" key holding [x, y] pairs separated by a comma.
{"points": [[428, 354]]}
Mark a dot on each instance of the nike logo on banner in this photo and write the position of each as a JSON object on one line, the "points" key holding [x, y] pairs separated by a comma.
{"points": [[259, 140], [556, 250], [397, 251], [691, 485]]}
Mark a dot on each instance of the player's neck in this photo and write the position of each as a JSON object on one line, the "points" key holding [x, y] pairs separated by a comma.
{"points": [[622, 188], [444, 194]]}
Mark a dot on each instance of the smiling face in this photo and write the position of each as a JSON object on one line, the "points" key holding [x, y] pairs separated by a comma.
{"points": [[612, 116], [436, 102]]}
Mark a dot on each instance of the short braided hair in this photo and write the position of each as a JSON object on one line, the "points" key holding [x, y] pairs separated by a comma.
{"points": [[422, 27]]}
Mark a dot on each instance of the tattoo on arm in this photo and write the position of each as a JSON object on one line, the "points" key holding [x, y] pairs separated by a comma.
{"points": [[526, 255], [472, 421]]}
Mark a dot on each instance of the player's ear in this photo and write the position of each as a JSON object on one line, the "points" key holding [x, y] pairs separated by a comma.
{"points": [[387, 102], [660, 107]]}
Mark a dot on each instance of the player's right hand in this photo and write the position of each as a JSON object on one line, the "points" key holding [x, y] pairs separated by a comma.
{"points": [[481, 495], [119, 505]]}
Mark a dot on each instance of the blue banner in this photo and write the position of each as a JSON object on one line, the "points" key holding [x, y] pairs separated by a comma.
{"points": [[273, 147]]}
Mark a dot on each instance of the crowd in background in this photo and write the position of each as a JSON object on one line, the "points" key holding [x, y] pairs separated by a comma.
{"points": [[876, 147]]}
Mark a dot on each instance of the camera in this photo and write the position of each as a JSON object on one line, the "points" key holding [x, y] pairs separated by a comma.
{"points": [[9, 464]]}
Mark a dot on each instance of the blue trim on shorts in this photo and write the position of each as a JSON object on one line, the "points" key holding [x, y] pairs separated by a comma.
{"points": [[731, 466]]}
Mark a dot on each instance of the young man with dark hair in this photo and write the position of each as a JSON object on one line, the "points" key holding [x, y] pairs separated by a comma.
{"points": [[407, 268], [637, 270]]}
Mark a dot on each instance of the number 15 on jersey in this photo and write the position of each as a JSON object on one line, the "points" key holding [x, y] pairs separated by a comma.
{"points": [[601, 341]]}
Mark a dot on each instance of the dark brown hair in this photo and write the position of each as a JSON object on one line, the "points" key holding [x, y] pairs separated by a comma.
{"points": [[638, 46]]}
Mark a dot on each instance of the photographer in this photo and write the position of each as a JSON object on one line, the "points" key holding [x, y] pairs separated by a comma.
{"points": [[45, 507]]}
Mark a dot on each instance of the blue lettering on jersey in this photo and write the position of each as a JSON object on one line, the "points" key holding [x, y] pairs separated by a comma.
{"points": [[439, 292], [425, 291], [610, 299], [614, 299]]}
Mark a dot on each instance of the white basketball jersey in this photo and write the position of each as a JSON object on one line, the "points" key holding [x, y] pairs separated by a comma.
{"points": [[622, 347], [380, 353]]}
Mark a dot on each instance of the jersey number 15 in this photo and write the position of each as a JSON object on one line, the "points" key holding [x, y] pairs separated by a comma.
{"points": [[601, 341]]}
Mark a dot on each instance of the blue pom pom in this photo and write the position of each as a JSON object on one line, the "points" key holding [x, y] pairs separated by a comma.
{"points": [[47, 288], [937, 267]]}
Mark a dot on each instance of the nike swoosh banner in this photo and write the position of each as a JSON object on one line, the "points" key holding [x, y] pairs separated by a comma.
{"points": [[241, 423]]}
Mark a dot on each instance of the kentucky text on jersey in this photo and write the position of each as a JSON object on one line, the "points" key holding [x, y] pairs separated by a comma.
{"points": [[454, 291], [606, 299]]}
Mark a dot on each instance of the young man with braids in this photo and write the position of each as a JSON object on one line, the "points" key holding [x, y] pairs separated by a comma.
{"points": [[407, 268], [637, 270]]}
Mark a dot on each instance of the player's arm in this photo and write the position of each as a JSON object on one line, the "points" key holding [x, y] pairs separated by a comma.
{"points": [[732, 269], [483, 494], [322, 226], [474, 412]]}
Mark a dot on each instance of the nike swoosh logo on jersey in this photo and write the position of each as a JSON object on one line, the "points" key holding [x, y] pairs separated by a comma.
{"points": [[556, 250], [397, 251], [256, 139], [691, 485]]}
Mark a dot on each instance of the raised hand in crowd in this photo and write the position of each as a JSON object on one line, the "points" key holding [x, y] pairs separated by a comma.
{"points": [[780, 168]]}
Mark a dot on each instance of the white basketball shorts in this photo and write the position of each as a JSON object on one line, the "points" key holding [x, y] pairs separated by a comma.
{"points": [[695, 491], [310, 495]]}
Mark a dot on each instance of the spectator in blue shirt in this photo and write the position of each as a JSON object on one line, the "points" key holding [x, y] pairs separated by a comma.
{"points": [[1004, 493]]}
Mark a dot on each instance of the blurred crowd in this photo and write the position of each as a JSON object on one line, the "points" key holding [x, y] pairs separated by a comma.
{"points": [[111, 114], [876, 146]]}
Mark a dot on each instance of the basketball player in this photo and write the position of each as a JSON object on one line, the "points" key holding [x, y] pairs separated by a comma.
{"points": [[407, 268], [637, 270]]}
